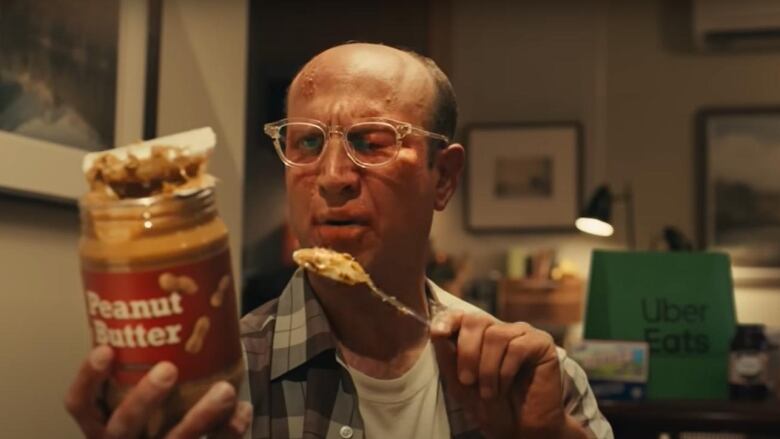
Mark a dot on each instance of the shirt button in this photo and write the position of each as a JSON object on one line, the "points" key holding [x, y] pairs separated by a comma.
{"points": [[345, 432]]}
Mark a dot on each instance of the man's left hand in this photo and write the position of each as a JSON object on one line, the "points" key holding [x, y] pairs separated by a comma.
{"points": [[505, 375]]}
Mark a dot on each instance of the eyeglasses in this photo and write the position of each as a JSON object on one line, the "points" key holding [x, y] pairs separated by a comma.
{"points": [[369, 142]]}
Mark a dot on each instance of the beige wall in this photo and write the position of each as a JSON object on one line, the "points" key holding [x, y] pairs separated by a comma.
{"points": [[43, 327], [655, 87], [620, 69], [203, 82], [654, 90], [524, 62]]}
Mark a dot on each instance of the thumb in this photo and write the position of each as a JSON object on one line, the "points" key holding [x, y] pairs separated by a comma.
{"points": [[446, 324]]}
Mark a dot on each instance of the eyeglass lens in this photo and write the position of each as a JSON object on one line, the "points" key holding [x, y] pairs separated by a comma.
{"points": [[369, 143]]}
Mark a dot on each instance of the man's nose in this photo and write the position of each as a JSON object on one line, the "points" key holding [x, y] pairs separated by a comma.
{"points": [[338, 179]]}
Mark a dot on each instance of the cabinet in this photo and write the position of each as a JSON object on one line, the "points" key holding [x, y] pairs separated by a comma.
{"points": [[540, 301]]}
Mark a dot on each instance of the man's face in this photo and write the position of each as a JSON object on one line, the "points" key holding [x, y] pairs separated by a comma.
{"points": [[380, 215]]}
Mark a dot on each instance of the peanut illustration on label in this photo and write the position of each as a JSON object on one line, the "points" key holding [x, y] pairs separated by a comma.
{"points": [[195, 342], [169, 282], [187, 285], [219, 295]]}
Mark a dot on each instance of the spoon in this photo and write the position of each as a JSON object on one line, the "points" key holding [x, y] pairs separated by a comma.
{"points": [[343, 268]]}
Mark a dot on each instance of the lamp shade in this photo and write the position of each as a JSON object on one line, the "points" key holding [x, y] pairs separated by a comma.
{"points": [[595, 219]]}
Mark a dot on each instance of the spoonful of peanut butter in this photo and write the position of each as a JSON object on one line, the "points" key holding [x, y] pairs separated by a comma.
{"points": [[343, 268]]}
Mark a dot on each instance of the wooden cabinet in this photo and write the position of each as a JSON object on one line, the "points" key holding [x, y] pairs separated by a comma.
{"points": [[648, 419], [541, 302]]}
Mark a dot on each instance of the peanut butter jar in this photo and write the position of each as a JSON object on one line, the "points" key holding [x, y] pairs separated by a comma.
{"points": [[156, 272]]}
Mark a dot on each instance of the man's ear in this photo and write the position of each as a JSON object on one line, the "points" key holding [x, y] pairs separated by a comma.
{"points": [[449, 164]]}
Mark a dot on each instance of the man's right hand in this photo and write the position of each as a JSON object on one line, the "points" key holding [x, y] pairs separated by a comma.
{"points": [[216, 412]]}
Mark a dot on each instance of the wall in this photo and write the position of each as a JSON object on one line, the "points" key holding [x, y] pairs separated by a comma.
{"points": [[43, 327], [623, 69], [524, 62], [656, 86], [203, 82]]}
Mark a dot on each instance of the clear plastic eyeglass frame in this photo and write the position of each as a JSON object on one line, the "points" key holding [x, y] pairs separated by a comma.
{"points": [[402, 129]]}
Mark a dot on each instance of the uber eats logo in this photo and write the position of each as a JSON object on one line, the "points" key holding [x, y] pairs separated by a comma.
{"points": [[665, 330]]}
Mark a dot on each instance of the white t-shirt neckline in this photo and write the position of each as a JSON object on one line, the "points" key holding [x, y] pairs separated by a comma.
{"points": [[397, 390]]}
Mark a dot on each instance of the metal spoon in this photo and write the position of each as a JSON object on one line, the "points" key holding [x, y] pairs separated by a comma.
{"points": [[342, 267]]}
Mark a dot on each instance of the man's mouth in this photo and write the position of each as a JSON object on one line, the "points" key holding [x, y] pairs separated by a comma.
{"points": [[342, 223], [333, 232], [340, 219]]}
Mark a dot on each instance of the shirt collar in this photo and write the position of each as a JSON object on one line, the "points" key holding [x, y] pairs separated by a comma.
{"points": [[301, 330]]}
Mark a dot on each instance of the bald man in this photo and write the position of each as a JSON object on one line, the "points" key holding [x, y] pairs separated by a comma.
{"points": [[368, 161]]}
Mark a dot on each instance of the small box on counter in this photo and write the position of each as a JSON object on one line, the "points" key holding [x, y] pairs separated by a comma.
{"points": [[616, 370]]}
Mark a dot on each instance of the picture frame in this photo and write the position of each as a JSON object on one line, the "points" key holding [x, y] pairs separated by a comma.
{"points": [[739, 190], [523, 177], [34, 162]]}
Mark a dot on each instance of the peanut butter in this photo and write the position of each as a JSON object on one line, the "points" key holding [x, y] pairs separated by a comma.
{"points": [[157, 277]]}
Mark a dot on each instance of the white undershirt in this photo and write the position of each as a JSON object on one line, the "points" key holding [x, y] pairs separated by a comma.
{"points": [[411, 406]]}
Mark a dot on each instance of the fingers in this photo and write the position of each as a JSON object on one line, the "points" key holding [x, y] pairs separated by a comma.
{"points": [[238, 423], [510, 366], [215, 408], [81, 399], [494, 348], [507, 349], [491, 359], [522, 350], [490, 353], [132, 415], [470, 341], [537, 388], [447, 359], [216, 411]]}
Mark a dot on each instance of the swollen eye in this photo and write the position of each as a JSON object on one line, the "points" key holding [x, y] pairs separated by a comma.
{"points": [[382, 138], [359, 142], [371, 140], [312, 142]]}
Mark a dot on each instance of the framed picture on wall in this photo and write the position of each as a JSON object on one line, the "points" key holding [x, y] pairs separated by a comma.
{"points": [[739, 190], [75, 76], [523, 176]]}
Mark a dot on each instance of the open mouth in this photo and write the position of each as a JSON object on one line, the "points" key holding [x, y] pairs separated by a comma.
{"points": [[342, 223]]}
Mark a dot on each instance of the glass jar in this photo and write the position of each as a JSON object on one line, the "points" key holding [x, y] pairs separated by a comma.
{"points": [[749, 363], [158, 286]]}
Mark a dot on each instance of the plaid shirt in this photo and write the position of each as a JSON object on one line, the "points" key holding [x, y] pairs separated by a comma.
{"points": [[299, 390]]}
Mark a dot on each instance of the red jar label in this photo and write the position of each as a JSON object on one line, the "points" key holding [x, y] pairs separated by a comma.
{"points": [[185, 314]]}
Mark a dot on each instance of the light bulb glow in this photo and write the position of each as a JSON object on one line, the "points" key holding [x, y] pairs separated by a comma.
{"points": [[594, 226]]}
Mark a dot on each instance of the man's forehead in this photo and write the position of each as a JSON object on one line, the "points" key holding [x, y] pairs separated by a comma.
{"points": [[370, 60], [371, 70]]}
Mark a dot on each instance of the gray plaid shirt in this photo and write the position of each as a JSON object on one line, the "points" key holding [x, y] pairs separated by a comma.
{"points": [[299, 390]]}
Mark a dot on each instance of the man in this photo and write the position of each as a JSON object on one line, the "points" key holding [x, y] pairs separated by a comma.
{"points": [[368, 162]]}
